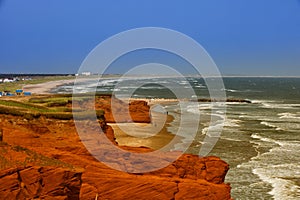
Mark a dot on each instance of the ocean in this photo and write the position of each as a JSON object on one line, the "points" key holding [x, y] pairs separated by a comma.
{"points": [[259, 140]]}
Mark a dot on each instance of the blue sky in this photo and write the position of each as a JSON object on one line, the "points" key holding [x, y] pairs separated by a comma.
{"points": [[243, 37]]}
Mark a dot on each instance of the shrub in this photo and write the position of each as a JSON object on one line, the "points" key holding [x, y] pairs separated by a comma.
{"points": [[57, 104]]}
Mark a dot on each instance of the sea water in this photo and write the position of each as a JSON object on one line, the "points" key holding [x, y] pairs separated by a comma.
{"points": [[260, 141]]}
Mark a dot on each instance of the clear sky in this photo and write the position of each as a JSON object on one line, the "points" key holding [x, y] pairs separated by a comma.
{"points": [[244, 37]]}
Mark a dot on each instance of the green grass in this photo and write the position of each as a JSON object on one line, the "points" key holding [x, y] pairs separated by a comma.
{"points": [[52, 102], [19, 112], [54, 107], [53, 99], [33, 107]]}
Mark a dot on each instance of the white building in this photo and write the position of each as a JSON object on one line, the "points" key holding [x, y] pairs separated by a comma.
{"points": [[86, 73], [6, 80]]}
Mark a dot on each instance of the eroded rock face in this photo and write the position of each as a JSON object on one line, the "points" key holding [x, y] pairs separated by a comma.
{"points": [[189, 177], [39, 182], [119, 111]]}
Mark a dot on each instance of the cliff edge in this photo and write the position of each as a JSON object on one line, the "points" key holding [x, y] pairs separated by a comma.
{"points": [[44, 159]]}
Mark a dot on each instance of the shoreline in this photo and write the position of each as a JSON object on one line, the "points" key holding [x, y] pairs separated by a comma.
{"points": [[45, 88], [154, 135]]}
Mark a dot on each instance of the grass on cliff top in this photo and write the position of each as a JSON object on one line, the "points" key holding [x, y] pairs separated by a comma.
{"points": [[52, 106], [18, 104], [35, 80], [16, 156]]}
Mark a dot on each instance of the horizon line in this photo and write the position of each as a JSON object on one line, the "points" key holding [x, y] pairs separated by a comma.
{"points": [[186, 75]]}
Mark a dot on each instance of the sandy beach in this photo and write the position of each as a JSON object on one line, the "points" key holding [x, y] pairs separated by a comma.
{"points": [[154, 135], [45, 88]]}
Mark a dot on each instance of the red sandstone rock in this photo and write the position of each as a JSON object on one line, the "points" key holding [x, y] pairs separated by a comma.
{"points": [[166, 183], [189, 177], [117, 110], [39, 182]]}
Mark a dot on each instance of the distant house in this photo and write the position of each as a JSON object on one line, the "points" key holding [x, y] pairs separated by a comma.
{"points": [[6, 80], [19, 92], [86, 73], [10, 94]]}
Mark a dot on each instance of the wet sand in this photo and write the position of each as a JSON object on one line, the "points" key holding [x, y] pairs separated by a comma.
{"points": [[154, 135]]}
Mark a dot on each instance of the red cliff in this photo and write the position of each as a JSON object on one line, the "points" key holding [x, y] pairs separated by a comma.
{"points": [[44, 158], [39, 182]]}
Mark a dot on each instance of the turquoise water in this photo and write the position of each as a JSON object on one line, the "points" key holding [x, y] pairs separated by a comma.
{"points": [[260, 141]]}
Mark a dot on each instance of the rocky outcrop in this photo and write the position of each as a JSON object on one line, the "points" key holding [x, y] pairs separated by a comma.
{"points": [[39, 183], [189, 177], [117, 110]]}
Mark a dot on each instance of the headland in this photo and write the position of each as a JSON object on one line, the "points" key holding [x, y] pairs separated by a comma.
{"points": [[43, 157]]}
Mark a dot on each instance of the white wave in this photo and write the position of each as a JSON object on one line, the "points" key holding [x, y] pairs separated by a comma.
{"points": [[106, 82], [101, 90], [272, 125], [194, 111], [151, 87], [279, 176], [219, 125], [196, 108], [162, 82], [259, 101], [213, 130], [220, 112], [235, 103], [232, 123], [183, 82], [289, 116], [200, 86], [230, 90], [264, 139], [280, 105], [243, 116], [231, 139], [81, 91], [282, 188], [291, 125]]}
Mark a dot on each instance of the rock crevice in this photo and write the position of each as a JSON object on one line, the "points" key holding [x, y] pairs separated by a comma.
{"points": [[39, 182]]}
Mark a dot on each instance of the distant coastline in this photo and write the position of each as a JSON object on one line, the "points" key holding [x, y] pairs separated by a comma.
{"points": [[8, 75]]}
